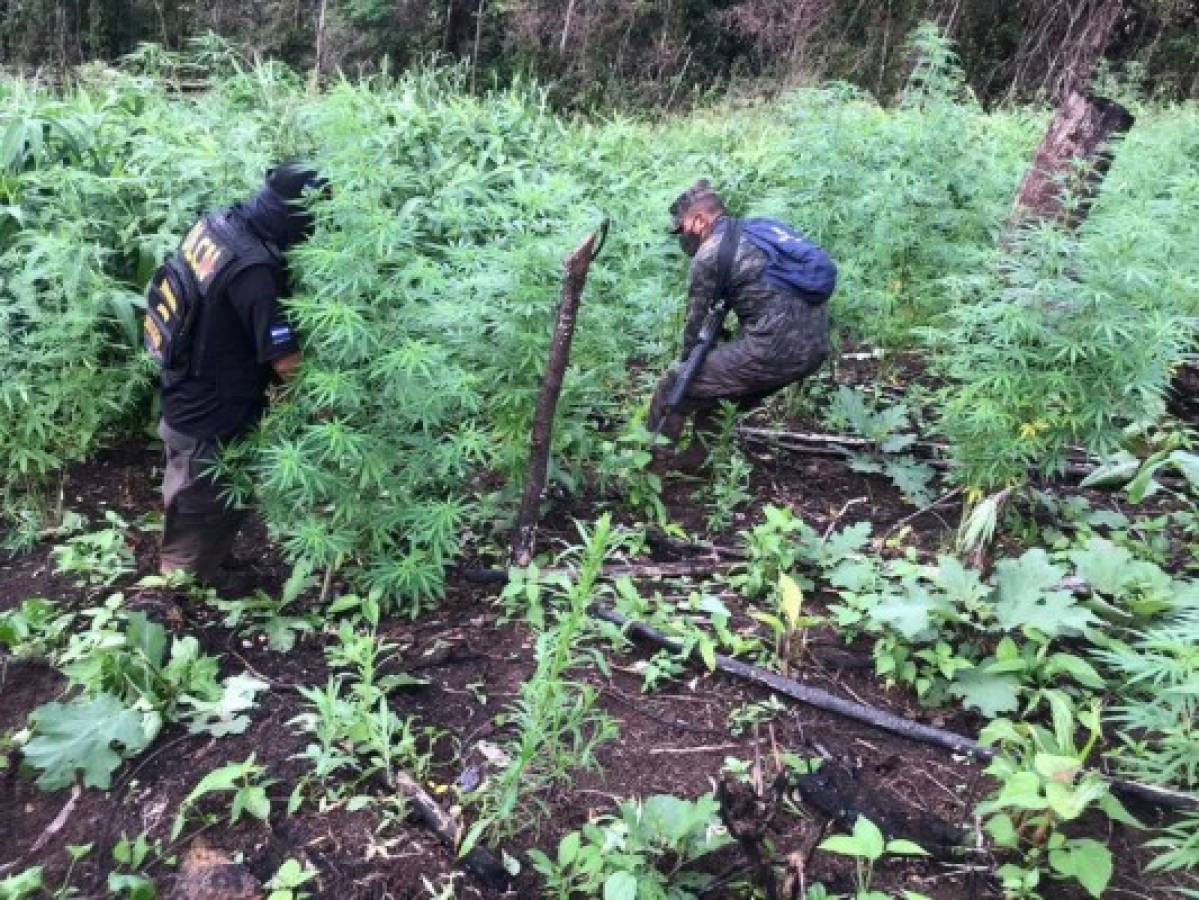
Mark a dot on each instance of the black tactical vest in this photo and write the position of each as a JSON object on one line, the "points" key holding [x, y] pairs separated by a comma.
{"points": [[216, 250]]}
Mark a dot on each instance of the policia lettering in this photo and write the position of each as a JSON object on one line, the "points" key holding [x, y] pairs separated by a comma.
{"points": [[201, 254], [213, 251]]}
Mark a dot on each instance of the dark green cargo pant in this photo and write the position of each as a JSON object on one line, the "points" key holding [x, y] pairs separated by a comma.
{"points": [[200, 526]]}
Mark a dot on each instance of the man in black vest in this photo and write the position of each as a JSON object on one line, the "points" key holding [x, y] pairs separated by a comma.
{"points": [[242, 342]]}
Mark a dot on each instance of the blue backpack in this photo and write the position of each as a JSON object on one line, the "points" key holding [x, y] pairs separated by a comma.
{"points": [[794, 263]]}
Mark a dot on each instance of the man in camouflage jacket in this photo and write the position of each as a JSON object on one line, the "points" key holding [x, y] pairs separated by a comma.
{"points": [[781, 338]]}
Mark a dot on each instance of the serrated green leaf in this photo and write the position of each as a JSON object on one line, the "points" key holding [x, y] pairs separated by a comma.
{"points": [[909, 613], [990, 694], [1025, 597], [83, 736]]}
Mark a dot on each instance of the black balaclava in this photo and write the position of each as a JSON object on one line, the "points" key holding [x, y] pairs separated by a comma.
{"points": [[276, 213]]}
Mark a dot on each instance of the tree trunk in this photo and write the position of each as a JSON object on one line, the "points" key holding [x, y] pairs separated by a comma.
{"points": [[576, 267], [1071, 162], [319, 62]]}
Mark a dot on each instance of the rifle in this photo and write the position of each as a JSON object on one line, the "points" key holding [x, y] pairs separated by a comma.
{"points": [[710, 329]]}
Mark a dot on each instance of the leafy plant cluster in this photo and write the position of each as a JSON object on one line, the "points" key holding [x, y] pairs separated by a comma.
{"points": [[128, 679], [358, 739], [1052, 636], [639, 853], [555, 723], [888, 430], [426, 296], [1068, 338]]}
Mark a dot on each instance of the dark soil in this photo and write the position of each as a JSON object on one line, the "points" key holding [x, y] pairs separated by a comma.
{"points": [[673, 741]]}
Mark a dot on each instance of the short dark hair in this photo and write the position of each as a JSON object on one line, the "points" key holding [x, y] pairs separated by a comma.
{"points": [[699, 197]]}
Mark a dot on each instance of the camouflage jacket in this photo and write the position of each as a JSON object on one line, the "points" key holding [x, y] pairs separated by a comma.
{"points": [[778, 328]]}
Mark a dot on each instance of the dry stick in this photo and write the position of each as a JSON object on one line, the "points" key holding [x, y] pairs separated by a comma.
{"points": [[684, 569], [576, 266], [878, 718], [924, 509], [479, 861], [839, 447], [52, 829]]}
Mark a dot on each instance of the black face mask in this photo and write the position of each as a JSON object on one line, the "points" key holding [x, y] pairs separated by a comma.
{"points": [[689, 243]]}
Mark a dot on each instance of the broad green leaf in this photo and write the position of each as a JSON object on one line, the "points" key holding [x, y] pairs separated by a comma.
{"points": [[843, 844], [1188, 465], [254, 801], [226, 715], [912, 478], [868, 837], [1077, 668], [1021, 791], [902, 847], [1104, 565], [128, 884], [989, 694], [620, 886], [83, 736], [909, 613], [568, 849], [1116, 811], [1070, 802], [847, 541], [1002, 831], [1118, 471], [1057, 768], [1025, 597], [962, 586], [1085, 860], [24, 884]]}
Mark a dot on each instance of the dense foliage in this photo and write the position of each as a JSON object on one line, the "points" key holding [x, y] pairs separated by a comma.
{"points": [[611, 52], [424, 302], [426, 294]]}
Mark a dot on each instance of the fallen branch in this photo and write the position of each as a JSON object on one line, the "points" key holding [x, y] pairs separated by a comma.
{"points": [[836, 446], [690, 568], [660, 540], [877, 718], [576, 267], [478, 861], [52, 829]]}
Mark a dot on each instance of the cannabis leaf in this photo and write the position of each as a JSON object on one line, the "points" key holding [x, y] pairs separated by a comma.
{"points": [[81, 736]]}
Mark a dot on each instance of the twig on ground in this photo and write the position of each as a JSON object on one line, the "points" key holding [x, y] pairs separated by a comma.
{"points": [[145, 761], [55, 826], [679, 751], [849, 504], [479, 861], [924, 509], [669, 723]]}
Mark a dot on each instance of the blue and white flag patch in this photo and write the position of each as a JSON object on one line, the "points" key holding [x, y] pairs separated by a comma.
{"points": [[280, 334]]}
